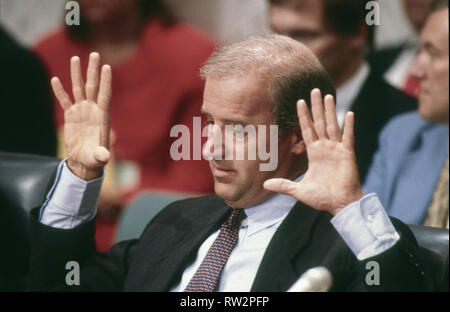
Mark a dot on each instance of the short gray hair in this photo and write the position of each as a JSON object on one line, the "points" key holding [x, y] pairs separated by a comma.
{"points": [[438, 5], [289, 67]]}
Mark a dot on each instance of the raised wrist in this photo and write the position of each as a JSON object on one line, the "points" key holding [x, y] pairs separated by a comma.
{"points": [[351, 199], [84, 173]]}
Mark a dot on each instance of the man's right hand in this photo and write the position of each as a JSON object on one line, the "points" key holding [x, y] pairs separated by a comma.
{"points": [[86, 122]]}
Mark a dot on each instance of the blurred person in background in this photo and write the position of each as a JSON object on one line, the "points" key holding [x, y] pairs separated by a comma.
{"points": [[395, 62], [337, 32], [155, 59], [26, 121], [410, 172]]}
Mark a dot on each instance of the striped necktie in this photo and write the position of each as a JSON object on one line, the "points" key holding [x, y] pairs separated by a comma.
{"points": [[437, 214], [207, 277]]}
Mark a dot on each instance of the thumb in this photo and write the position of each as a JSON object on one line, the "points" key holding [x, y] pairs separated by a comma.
{"points": [[102, 155], [283, 186]]}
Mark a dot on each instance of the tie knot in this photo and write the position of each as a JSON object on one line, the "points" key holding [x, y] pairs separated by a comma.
{"points": [[236, 217]]}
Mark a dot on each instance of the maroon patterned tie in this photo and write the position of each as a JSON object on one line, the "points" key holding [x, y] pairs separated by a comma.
{"points": [[207, 277]]}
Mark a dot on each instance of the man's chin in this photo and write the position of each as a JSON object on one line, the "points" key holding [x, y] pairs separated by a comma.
{"points": [[424, 112], [226, 191]]}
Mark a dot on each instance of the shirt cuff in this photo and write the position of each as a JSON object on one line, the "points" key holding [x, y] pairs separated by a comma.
{"points": [[71, 200], [365, 227]]}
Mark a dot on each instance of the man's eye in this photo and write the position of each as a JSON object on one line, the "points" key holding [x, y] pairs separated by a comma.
{"points": [[433, 54], [303, 37], [238, 130], [209, 122]]}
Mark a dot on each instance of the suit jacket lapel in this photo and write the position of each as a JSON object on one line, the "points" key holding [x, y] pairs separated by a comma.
{"points": [[168, 269], [279, 269]]}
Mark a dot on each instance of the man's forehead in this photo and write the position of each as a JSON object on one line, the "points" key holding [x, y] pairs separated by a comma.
{"points": [[236, 98], [236, 89], [435, 32]]}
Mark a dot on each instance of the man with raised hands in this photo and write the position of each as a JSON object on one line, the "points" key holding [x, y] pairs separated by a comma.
{"points": [[262, 229]]}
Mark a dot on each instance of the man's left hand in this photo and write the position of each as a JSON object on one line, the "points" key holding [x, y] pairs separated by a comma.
{"points": [[332, 181]]}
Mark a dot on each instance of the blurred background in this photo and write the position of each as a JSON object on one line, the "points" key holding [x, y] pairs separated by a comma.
{"points": [[226, 20]]}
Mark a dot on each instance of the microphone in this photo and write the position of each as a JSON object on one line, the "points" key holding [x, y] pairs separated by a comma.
{"points": [[317, 279]]}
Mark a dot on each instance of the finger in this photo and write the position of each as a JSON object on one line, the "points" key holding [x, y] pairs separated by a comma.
{"points": [[104, 94], [60, 93], [308, 133], [77, 79], [348, 138], [104, 132], [318, 113], [333, 130], [283, 186], [93, 74], [104, 98]]}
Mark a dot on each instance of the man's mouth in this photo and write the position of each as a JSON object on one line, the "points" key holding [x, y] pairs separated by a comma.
{"points": [[221, 171]]}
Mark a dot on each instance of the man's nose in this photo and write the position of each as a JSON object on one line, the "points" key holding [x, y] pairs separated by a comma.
{"points": [[214, 146], [417, 68]]}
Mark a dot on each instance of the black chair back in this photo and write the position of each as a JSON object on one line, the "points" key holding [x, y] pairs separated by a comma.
{"points": [[434, 239], [24, 183], [26, 179]]}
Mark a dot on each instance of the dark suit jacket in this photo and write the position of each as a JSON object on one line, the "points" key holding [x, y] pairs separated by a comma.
{"points": [[381, 60], [171, 240], [376, 103]]}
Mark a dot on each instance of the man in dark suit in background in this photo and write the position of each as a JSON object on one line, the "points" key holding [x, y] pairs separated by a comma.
{"points": [[245, 237], [337, 33], [26, 121]]}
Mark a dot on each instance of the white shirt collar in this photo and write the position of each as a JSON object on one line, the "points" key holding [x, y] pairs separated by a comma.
{"points": [[347, 93], [268, 213], [398, 74]]}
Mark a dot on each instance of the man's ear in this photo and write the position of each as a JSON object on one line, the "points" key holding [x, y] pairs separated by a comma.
{"points": [[298, 146]]}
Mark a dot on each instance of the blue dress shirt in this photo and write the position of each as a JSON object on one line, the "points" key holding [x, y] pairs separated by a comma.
{"points": [[407, 166]]}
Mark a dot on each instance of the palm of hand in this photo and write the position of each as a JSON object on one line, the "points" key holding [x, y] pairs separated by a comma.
{"points": [[82, 131], [330, 176], [331, 181], [86, 127]]}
